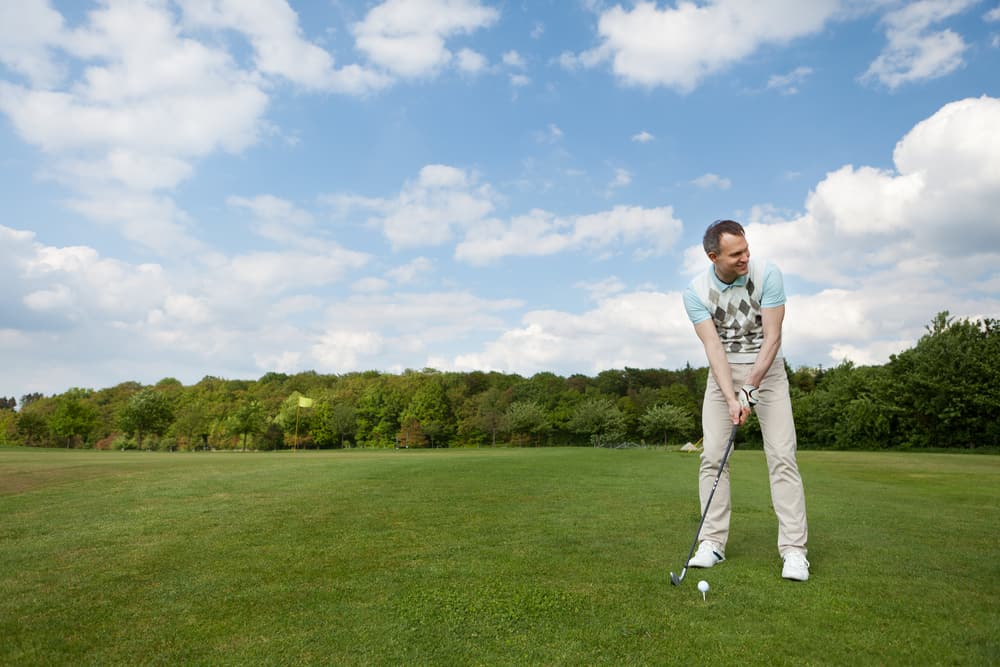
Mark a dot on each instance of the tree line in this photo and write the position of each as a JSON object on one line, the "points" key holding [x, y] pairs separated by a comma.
{"points": [[942, 393]]}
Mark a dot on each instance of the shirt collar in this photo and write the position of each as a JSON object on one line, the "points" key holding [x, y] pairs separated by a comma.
{"points": [[739, 282]]}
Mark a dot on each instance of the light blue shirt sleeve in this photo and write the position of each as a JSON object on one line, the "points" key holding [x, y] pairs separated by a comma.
{"points": [[696, 310], [773, 290]]}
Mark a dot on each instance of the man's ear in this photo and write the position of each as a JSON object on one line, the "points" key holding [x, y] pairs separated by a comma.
{"points": [[712, 257]]}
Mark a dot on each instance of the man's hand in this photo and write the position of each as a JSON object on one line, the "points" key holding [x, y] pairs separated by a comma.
{"points": [[737, 412], [747, 396]]}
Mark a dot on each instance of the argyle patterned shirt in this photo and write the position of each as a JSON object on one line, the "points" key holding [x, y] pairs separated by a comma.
{"points": [[735, 308]]}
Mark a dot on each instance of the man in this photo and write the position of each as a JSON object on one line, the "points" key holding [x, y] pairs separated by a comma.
{"points": [[737, 308]]}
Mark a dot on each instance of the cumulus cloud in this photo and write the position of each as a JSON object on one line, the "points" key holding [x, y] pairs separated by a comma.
{"points": [[678, 46], [411, 271], [621, 179], [918, 239], [407, 37], [915, 52], [788, 84], [712, 181], [626, 329], [428, 210], [874, 256], [651, 232], [280, 49], [514, 59], [28, 33], [643, 137], [471, 62]]}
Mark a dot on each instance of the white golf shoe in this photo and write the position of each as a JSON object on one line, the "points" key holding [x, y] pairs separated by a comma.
{"points": [[708, 554], [796, 566]]}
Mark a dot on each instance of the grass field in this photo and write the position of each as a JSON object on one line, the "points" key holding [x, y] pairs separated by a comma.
{"points": [[487, 557]]}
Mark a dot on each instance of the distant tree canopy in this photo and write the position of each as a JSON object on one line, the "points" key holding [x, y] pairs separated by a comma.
{"points": [[942, 393]]}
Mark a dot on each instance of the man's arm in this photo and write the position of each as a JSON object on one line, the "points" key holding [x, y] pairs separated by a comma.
{"points": [[771, 319], [719, 365]]}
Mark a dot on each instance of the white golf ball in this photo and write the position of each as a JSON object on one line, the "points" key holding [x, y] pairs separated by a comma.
{"points": [[703, 586]]}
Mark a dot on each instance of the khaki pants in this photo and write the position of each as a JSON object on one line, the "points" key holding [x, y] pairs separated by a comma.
{"points": [[774, 410]]}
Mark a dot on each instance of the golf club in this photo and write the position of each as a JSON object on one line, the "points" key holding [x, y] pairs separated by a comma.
{"points": [[674, 579]]}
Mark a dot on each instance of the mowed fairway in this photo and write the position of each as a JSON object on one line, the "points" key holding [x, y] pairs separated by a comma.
{"points": [[487, 557]]}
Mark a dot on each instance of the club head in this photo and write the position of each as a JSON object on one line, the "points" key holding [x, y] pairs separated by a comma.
{"points": [[675, 580]]}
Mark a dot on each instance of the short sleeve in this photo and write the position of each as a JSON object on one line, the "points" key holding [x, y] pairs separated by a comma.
{"points": [[773, 290], [696, 310]]}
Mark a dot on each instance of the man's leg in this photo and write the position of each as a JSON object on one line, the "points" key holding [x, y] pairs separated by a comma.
{"points": [[774, 409], [716, 428]]}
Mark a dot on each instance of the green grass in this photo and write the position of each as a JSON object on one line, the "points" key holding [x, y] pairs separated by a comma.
{"points": [[487, 557]]}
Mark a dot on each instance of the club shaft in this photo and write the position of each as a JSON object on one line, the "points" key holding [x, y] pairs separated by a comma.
{"points": [[708, 503]]}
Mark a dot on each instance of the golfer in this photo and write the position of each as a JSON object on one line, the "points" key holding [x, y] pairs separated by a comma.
{"points": [[737, 307]]}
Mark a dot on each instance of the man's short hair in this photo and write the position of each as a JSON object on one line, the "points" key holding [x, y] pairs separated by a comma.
{"points": [[715, 231]]}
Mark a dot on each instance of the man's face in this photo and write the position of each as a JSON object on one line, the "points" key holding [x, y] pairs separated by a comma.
{"points": [[733, 259]]}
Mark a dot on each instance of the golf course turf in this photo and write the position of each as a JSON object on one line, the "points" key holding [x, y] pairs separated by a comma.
{"points": [[550, 556]]}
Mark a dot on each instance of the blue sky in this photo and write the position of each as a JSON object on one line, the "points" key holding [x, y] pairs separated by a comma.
{"points": [[231, 187]]}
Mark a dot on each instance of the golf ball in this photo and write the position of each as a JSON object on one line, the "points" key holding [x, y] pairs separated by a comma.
{"points": [[703, 586]]}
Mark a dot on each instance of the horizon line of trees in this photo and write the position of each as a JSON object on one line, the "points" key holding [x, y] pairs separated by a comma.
{"points": [[942, 393]]}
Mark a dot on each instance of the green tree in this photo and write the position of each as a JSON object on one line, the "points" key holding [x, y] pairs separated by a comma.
{"points": [[526, 422], [430, 408], [333, 423], [666, 420], [8, 427], [192, 422], [248, 419], [379, 408], [148, 412], [74, 417], [947, 387], [490, 408], [28, 399], [31, 426], [600, 419]]}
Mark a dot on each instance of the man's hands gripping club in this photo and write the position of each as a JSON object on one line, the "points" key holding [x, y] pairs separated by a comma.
{"points": [[746, 398]]}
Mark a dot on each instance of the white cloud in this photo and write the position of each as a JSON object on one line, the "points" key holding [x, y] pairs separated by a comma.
{"points": [[915, 53], [146, 102], [428, 210], [280, 220], [514, 59], [627, 329], [643, 137], [541, 233], [602, 288], [73, 283], [471, 62], [444, 200], [894, 246], [149, 220], [621, 179], [678, 46], [407, 37], [551, 135], [519, 80], [280, 49], [276, 272], [370, 284], [788, 84], [411, 271], [339, 350], [712, 181], [993, 14], [28, 31]]}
